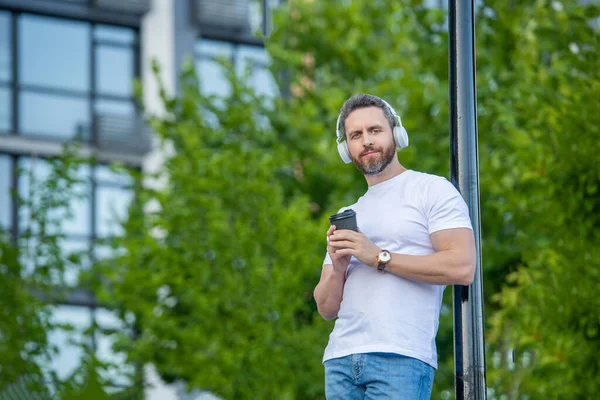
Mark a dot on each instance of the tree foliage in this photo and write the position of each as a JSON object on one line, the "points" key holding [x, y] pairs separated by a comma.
{"points": [[218, 262], [546, 175]]}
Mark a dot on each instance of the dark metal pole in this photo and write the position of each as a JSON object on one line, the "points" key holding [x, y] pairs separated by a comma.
{"points": [[469, 351]]}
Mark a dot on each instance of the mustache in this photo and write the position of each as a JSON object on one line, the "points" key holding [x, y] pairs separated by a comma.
{"points": [[368, 150]]}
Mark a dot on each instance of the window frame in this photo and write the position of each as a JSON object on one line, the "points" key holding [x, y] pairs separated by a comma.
{"points": [[92, 95]]}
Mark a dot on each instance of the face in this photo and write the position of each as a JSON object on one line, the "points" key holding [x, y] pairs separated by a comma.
{"points": [[370, 140]]}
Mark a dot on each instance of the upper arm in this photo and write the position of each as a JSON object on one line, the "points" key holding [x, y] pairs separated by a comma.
{"points": [[460, 241]]}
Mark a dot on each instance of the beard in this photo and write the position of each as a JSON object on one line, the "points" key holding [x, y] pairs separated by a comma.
{"points": [[376, 163]]}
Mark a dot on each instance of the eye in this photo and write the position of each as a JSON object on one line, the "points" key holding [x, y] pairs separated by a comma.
{"points": [[355, 135]]}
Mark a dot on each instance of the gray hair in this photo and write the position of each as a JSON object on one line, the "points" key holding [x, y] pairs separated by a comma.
{"points": [[362, 100]]}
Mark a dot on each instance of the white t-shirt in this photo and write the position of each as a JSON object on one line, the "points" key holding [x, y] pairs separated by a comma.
{"points": [[381, 312]]}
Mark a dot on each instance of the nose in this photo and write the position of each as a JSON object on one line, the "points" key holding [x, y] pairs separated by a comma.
{"points": [[367, 139]]}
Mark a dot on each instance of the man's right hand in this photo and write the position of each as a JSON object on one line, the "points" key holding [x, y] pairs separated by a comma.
{"points": [[340, 263]]}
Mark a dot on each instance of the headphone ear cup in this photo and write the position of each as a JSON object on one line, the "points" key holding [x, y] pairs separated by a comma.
{"points": [[400, 137], [344, 153]]}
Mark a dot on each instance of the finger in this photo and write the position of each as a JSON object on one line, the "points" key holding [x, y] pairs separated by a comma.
{"points": [[334, 252], [330, 249], [330, 230], [344, 252], [344, 234], [342, 244], [339, 234]]}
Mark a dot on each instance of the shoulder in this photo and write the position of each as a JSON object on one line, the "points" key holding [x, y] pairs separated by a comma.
{"points": [[431, 183], [423, 176], [434, 190]]}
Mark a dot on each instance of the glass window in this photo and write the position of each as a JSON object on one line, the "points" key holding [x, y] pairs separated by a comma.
{"points": [[114, 70], [114, 34], [119, 372], [54, 116], [54, 52], [210, 73], [5, 47], [106, 252], [213, 48], [79, 222], [5, 110], [263, 82], [253, 54], [212, 79], [261, 78], [112, 206], [256, 16], [69, 342], [114, 107], [102, 252], [5, 192], [257, 21], [105, 174], [33, 256], [72, 270]]}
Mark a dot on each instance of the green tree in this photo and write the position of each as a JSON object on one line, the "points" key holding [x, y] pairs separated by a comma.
{"points": [[23, 322], [542, 107], [217, 264]]}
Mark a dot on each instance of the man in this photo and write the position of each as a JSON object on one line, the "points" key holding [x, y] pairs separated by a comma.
{"points": [[384, 283]]}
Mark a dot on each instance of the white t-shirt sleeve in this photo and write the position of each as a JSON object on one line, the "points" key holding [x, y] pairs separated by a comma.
{"points": [[445, 207]]}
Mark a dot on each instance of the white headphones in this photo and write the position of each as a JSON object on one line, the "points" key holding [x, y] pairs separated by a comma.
{"points": [[400, 135]]}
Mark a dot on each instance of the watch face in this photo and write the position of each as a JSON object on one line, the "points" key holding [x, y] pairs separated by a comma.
{"points": [[384, 256]]}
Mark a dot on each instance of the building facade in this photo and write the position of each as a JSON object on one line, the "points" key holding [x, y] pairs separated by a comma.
{"points": [[66, 71]]}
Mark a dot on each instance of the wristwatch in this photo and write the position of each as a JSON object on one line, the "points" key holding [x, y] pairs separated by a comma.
{"points": [[383, 258]]}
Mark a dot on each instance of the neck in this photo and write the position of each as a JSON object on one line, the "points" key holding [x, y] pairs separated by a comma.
{"points": [[392, 170]]}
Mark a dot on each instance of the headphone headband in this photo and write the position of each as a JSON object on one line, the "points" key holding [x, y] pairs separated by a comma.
{"points": [[338, 133], [394, 114]]}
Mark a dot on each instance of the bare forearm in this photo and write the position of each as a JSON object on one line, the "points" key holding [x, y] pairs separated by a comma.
{"points": [[329, 292], [441, 268]]}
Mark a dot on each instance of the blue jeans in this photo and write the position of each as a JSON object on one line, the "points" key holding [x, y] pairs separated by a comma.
{"points": [[378, 376]]}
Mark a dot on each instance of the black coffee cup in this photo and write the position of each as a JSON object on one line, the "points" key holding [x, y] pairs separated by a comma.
{"points": [[344, 220]]}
